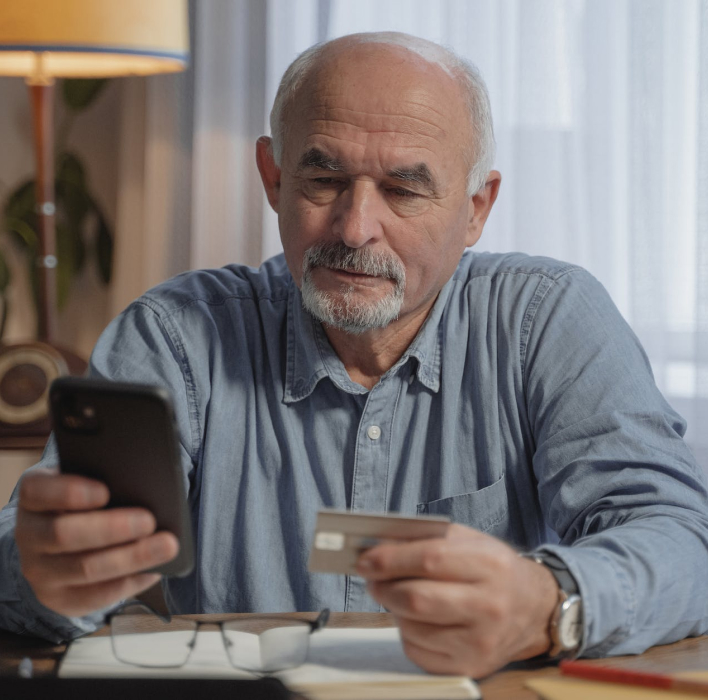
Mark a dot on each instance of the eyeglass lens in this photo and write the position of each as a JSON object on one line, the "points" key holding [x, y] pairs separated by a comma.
{"points": [[259, 646], [145, 640], [267, 648]]}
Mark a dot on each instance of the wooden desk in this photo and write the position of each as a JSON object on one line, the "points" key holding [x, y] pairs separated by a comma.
{"points": [[687, 655]]}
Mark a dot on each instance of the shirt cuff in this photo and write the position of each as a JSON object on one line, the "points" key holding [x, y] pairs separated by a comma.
{"points": [[28, 616], [608, 603]]}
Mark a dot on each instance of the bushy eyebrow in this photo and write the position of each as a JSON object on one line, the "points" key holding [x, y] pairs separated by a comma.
{"points": [[314, 158], [418, 174]]}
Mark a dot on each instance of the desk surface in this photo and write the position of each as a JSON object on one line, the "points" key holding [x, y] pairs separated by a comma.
{"points": [[687, 655]]}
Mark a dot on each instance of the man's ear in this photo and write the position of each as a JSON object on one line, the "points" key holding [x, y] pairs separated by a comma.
{"points": [[270, 172], [480, 204]]}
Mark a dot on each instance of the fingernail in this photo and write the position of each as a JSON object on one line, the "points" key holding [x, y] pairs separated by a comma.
{"points": [[142, 524], [161, 549], [93, 494], [97, 493], [365, 565]]}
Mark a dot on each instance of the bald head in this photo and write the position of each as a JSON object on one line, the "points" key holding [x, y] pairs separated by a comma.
{"points": [[432, 62]]}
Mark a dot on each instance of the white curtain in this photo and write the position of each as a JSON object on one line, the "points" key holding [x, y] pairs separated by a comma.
{"points": [[601, 120]]}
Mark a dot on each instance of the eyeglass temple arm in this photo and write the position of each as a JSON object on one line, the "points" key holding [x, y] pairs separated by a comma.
{"points": [[320, 622]]}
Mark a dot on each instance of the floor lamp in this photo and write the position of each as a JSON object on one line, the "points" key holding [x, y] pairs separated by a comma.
{"points": [[41, 40]]}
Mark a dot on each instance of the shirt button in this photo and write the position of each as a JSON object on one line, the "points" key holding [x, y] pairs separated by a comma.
{"points": [[374, 432]]}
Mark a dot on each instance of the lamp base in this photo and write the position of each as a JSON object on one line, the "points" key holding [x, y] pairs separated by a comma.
{"points": [[26, 373]]}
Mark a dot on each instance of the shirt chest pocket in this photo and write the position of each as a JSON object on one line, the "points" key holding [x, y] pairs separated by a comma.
{"points": [[486, 510]]}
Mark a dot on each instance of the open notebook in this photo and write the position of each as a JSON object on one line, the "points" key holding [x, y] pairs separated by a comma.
{"points": [[342, 664]]}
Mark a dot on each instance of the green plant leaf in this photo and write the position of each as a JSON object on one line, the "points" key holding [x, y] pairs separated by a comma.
{"points": [[23, 234], [5, 276], [104, 249], [79, 93], [4, 314], [20, 203], [33, 272], [20, 219], [71, 170], [79, 253], [74, 246], [66, 260], [73, 205], [78, 249]]}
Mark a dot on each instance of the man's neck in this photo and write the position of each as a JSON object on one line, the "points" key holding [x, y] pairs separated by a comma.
{"points": [[368, 356]]}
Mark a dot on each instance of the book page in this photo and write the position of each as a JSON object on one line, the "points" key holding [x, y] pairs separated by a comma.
{"points": [[337, 657]]}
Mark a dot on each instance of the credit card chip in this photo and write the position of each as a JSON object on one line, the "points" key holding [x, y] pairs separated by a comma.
{"points": [[330, 541]]}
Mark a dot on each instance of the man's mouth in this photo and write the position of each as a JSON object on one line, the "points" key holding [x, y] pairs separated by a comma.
{"points": [[352, 271], [354, 268]]}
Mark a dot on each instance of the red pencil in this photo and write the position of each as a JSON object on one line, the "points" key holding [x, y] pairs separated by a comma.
{"points": [[605, 674]]}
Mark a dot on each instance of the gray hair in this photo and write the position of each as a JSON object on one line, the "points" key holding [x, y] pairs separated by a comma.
{"points": [[455, 66]]}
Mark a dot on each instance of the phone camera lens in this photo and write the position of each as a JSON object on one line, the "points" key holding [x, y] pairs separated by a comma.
{"points": [[72, 422]]}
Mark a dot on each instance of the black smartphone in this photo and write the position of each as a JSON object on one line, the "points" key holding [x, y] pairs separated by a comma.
{"points": [[124, 435]]}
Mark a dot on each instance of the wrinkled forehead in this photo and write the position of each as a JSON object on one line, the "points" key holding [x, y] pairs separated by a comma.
{"points": [[377, 91]]}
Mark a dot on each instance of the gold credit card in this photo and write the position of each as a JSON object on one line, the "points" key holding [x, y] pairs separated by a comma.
{"points": [[341, 536]]}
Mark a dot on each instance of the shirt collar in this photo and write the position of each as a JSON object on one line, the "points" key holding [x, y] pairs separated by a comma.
{"points": [[310, 357]]}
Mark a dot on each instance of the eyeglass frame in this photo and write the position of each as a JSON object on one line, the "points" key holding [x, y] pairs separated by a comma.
{"points": [[315, 625]]}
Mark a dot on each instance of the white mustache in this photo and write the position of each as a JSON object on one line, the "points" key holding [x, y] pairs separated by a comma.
{"points": [[338, 256]]}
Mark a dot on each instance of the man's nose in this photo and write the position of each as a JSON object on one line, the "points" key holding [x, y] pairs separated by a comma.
{"points": [[358, 215]]}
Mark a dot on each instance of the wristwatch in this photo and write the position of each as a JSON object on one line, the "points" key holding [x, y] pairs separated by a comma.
{"points": [[566, 627]]}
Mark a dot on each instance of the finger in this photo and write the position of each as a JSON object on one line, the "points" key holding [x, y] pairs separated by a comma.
{"points": [[455, 649], [77, 532], [426, 635], [82, 600], [437, 558], [43, 491], [436, 602], [105, 564], [430, 660]]}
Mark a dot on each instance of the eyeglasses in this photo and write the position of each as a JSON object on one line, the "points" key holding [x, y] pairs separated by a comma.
{"points": [[260, 646]]}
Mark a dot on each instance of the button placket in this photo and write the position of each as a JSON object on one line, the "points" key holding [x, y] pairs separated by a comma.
{"points": [[371, 474]]}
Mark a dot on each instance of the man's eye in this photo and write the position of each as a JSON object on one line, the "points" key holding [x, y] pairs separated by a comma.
{"points": [[324, 181], [402, 192]]}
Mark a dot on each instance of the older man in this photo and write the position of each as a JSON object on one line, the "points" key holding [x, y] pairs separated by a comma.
{"points": [[380, 367]]}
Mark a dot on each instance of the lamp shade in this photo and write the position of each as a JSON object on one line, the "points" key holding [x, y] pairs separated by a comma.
{"points": [[92, 38]]}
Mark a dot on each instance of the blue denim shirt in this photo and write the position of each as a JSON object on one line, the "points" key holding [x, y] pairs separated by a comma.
{"points": [[525, 408]]}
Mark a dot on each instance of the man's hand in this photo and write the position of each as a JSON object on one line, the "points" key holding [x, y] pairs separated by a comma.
{"points": [[465, 604], [78, 558]]}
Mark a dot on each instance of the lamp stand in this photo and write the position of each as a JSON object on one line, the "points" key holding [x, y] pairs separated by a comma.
{"points": [[42, 97], [27, 369]]}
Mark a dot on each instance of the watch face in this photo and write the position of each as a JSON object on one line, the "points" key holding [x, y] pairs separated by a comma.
{"points": [[570, 624]]}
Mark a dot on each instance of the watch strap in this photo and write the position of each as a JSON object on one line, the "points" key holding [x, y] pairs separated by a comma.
{"points": [[559, 570], [567, 588]]}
